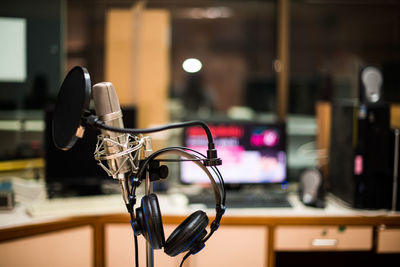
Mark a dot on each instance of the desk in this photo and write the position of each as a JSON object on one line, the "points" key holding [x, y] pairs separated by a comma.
{"points": [[255, 235]]}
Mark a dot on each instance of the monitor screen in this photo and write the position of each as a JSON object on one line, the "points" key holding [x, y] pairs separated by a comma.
{"points": [[13, 50], [251, 153]]}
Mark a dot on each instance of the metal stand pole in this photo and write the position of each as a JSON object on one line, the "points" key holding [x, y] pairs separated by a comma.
{"points": [[396, 168], [149, 249], [148, 190]]}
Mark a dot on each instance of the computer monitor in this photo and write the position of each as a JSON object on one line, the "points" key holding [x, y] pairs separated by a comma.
{"points": [[251, 153]]}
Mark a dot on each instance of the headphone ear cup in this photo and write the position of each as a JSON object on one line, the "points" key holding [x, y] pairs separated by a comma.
{"points": [[189, 234], [151, 221]]}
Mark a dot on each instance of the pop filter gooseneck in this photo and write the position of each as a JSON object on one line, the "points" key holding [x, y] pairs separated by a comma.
{"points": [[72, 101]]}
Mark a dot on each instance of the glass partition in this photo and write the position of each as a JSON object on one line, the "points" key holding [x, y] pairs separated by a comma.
{"points": [[30, 72]]}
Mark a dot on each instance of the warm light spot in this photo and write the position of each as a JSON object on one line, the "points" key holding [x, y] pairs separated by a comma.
{"points": [[192, 65]]}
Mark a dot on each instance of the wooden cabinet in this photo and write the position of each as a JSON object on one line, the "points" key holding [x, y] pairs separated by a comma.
{"points": [[66, 248], [120, 250], [250, 242], [388, 240], [338, 238], [107, 241], [234, 246]]}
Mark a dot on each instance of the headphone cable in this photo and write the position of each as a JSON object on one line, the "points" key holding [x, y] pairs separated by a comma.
{"points": [[136, 251], [185, 257]]}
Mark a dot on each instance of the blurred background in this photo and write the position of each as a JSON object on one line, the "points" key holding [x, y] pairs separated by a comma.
{"points": [[174, 60]]}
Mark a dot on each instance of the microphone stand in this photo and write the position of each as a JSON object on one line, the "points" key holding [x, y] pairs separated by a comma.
{"points": [[148, 190], [149, 249]]}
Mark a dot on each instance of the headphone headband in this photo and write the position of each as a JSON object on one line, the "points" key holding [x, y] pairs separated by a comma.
{"points": [[219, 198]]}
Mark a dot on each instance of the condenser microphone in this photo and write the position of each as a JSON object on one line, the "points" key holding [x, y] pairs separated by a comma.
{"points": [[113, 147]]}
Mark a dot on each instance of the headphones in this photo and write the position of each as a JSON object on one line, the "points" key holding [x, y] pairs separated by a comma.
{"points": [[191, 234]]}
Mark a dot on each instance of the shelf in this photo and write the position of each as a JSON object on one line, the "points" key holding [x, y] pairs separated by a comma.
{"points": [[12, 165]]}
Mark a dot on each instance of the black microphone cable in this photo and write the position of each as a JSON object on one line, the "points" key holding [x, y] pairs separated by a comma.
{"points": [[94, 120], [212, 158]]}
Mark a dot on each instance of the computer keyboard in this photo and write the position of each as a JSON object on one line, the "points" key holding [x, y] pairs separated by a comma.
{"points": [[246, 199], [93, 205]]}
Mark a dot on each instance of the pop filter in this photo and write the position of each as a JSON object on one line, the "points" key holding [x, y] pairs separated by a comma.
{"points": [[72, 101]]}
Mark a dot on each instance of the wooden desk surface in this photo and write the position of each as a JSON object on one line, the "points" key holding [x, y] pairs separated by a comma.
{"points": [[18, 223]]}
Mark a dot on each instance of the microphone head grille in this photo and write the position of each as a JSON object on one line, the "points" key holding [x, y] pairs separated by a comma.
{"points": [[105, 99]]}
